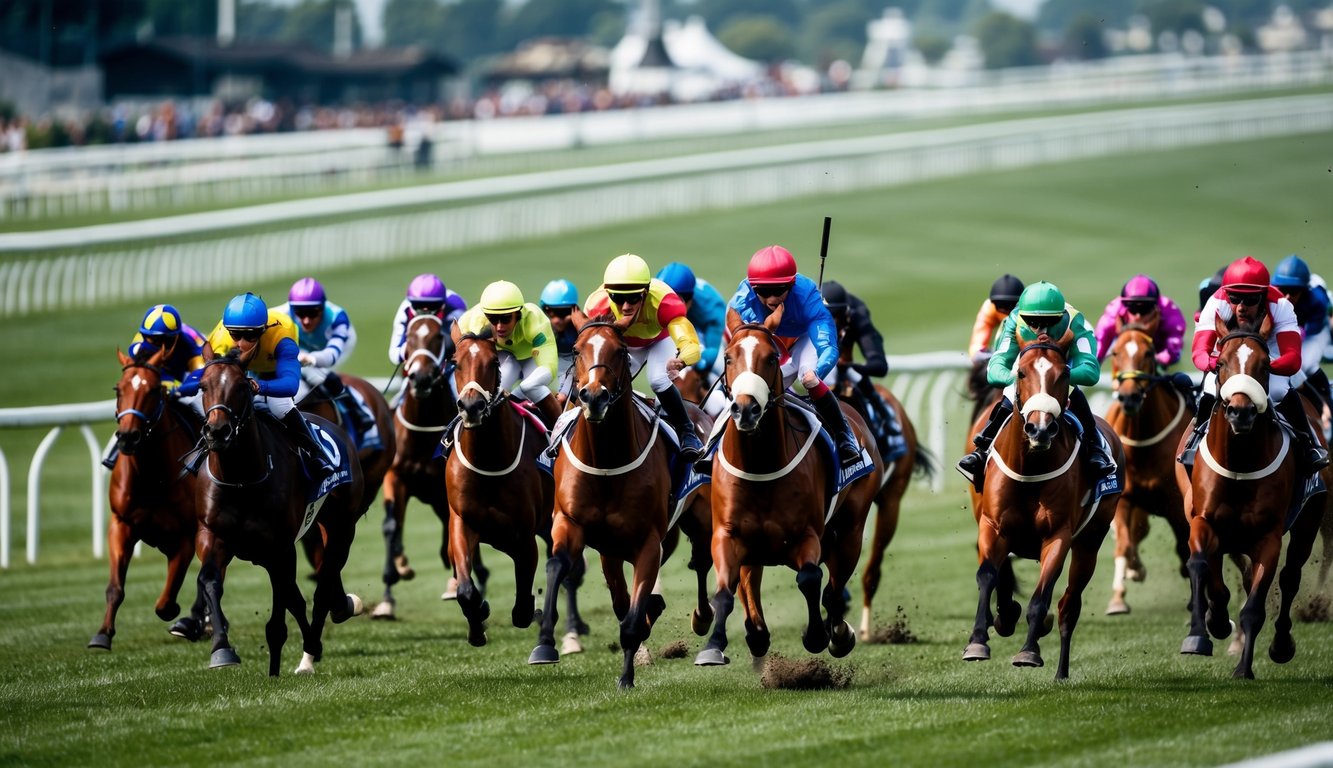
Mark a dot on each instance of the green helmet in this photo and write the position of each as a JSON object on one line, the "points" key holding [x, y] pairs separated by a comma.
{"points": [[1041, 300]]}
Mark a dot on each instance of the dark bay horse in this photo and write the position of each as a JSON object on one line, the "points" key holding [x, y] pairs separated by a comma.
{"points": [[612, 482], [1238, 498], [251, 503], [150, 502], [696, 520], [497, 493], [1150, 415], [771, 503], [1035, 504]]}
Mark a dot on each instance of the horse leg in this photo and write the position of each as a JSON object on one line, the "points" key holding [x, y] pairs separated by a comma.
{"points": [[575, 626], [808, 578], [614, 572], [210, 584], [281, 568], [1007, 609], [1053, 553], [645, 606], [887, 506], [120, 548], [1125, 547], [178, 563], [1265, 556], [396, 567], [191, 627], [524, 554], [462, 540], [727, 555], [1203, 543], [566, 547], [1173, 509], [1082, 564], [701, 560], [1299, 544], [749, 589]]}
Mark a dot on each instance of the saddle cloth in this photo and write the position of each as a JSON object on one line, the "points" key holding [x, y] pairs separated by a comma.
{"points": [[365, 440], [315, 497]]}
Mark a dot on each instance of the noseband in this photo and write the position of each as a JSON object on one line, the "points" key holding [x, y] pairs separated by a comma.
{"points": [[237, 421], [491, 398], [150, 420], [439, 367], [623, 354], [1151, 377], [776, 391]]}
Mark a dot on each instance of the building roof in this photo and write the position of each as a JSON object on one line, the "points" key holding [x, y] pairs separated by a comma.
{"points": [[265, 55]]}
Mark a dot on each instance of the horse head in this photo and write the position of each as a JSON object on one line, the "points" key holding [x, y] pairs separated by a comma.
{"points": [[476, 374], [424, 354], [1242, 372], [601, 365], [1043, 387], [753, 373], [1133, 365], [227, 396], [139, 399]]}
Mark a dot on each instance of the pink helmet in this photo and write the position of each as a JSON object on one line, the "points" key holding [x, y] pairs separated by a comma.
{"points": [[773, 265], [1140, 287], [427, 288], [1246, 275], [306, 292]]}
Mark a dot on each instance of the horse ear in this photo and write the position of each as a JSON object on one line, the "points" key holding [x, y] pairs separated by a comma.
{"points": [[124, 358], [734, 321], [455, 333], [1067, 339], [157, 357], [1266, 325], [772, 321], [208, 352], [1220, 327]]}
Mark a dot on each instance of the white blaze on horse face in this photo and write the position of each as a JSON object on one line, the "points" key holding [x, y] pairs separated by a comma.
{"points": [[1043, 401], [1132, 348], [1244, 383], [1243, 357], [596, 342], [748, 382], [137, 381]]}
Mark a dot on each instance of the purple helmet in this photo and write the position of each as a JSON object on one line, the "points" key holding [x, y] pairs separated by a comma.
{"points": [[1140, 287], [306, 292], [426, 288]]}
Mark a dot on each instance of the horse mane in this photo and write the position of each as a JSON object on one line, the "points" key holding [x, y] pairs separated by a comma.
{"points": [[486, 334], [1140, 327]]}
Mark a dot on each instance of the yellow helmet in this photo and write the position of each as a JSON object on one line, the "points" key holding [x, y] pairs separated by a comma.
{"points": [[627, 271], [501, 296]]}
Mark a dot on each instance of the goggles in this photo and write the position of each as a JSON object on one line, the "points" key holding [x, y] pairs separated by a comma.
{"points": [[1244, 299], [245, 334], [769, 291]]}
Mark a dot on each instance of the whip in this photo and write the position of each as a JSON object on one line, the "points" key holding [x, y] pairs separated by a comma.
{"points": [[823, 249]]}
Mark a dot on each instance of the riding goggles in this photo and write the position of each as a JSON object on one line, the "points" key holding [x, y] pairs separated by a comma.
{"points": [[625, 297], [495, 318], [427, 308], [1138, 307], [1039, 322], [307, 310], [769, 291], [245, 334], [559, 312], [1244, 299]]}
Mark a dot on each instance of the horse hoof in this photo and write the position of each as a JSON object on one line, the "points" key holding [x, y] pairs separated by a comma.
{"points": [[1136, 574], [643, 657], [355, 607], [1242, 674], [383, 611], [307, 665], [699, 623], [1197, 645], [1117, 607], [815, 641], [187, 629], [976, 652], [1237, 645], [544, 654], [476, 637], [839, 647], [168, 611], [101, 641], [1282, 651], [224, 657], [1027, 659], [404, 570], [711, 657], [757, 664], [1007, 621], [570, 644], [626, 683]]}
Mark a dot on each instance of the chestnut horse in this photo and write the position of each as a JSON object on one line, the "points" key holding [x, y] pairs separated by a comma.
{"points": [[1239, 496], [771, 502], [1150, 415], [251, 505], [612, 483], [150, 502], [1035, 504]]}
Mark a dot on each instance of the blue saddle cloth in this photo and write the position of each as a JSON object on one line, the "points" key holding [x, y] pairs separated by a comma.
{"points": [[1301, 495], [888, 432], [367, 439], [333, 451]]}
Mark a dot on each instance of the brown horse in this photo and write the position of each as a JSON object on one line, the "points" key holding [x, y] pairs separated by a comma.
{"points": [[1238, 498], [1035, 504], [149, 502], [252, 503], [1150, 415], [612, 483], [696, 520], [771, 502]]}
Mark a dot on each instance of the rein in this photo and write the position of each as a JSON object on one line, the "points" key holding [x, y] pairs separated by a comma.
{"points": [[776, 393], [1160, 436], [616, 394]]}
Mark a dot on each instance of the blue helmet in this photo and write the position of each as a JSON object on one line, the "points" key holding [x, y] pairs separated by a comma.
{"points": [[160, 320], [245, 312], [1292, 272], [559, 293], [679, 277]]}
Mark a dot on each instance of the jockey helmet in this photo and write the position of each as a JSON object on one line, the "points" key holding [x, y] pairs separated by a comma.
{"points": [[160, 320], [1041, 305], [246, 312], [306, 292], [835, 296], [772, 265], [1292, 272], [559, 293], [1006, 289], [627, 271], [1245, 275], [426, 288], [1140, 287], [680, 278], [501, 296]]}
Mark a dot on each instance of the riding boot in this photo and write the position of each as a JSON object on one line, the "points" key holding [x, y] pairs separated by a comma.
{"points": [[674, 407], [877, 404], [312, 453], [1311, 456], [1184, 384], [830, 412], [973, 465], [110, 461], [1098, 451], [1319, 383], [341, 394], [1200, 426], [548, 408]]}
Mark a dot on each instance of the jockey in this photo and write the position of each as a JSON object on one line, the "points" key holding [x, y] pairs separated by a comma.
{"points": [[162, 328], [525, 343], [1004, 293], [807, 332], [852, 318], [1245, 296], [1141, 302], [661, 336], [425, 295], [560, 302], [326, 338], [707, 312], [274, 372], [1207, 288], [1311, 302], [1042, 309]]}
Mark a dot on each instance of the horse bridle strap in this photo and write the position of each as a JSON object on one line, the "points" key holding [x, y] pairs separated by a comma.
{"points": [[591, 470], [398, 414], [209, 471], [1256, 475], [768, 476], [1160, 436]]}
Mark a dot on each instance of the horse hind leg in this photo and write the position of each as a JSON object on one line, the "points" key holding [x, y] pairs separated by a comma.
{"points": [[815, 637], [1125, 551], [1253, 613], [1299, 545], [887, 505], [1053, 556], [978, 648], [1007, 608], [462, 542], [1082, 564], [645, 607], [396, 567], [575, 626], [757, 636], [192, 627]]}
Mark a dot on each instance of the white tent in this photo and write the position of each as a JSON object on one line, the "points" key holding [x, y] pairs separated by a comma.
{"points": [[699, 66]]}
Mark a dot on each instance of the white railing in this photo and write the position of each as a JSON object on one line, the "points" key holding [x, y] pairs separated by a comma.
{"points": [[140, 259], [930, 387]]}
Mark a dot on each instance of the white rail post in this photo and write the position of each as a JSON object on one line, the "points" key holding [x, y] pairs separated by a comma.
{"points": [[4, 510], [35, 490], [99, 491]]}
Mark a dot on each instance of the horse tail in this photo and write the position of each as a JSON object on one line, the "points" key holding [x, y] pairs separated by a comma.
{"points": [[926, 463]]}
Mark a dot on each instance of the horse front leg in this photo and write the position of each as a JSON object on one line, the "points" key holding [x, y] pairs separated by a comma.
{"points": [[120, 548], [1203, 547], [841, 556], [992, 564], [805, 561], [566, 546], [1053, 553], [757, 636], [886, 525], [524, 554], [575, 626], [700, 533], [461, 540], [192, 627], [1126, 548], [1082, 564], [211, 571], [396, 567], [644, 609], [728, 553], [1265, 556]]}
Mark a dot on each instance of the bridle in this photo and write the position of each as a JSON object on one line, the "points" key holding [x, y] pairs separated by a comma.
{"points": [[1019, 405], [1152, 378], [492, 398], [775, 388], [236, 420], [622, 380], [150, 420], [440, 365]]}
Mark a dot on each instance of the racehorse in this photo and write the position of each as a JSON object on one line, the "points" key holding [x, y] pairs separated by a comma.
{"points": [[149, 502], [1037, 503], [497, 493], [696, 521], [1239, 496], [1150, 415], [612, 483], [773, 503], [252, 505]]}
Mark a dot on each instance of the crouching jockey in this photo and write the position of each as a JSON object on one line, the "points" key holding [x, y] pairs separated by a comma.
{"points": [[851, 316], [1244, 298], [1310, 301], [326, 338], [1042, 309], [274, 372], [524, 342]]}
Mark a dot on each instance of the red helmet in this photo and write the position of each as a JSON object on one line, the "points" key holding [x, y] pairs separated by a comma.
{"points": [[773, 265], [1247, 274]]}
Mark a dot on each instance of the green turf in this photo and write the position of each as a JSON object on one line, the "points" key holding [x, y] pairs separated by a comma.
{"points": [[923, 257]]}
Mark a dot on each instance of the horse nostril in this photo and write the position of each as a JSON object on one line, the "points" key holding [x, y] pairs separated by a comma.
{"points": [[583, 395]]}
